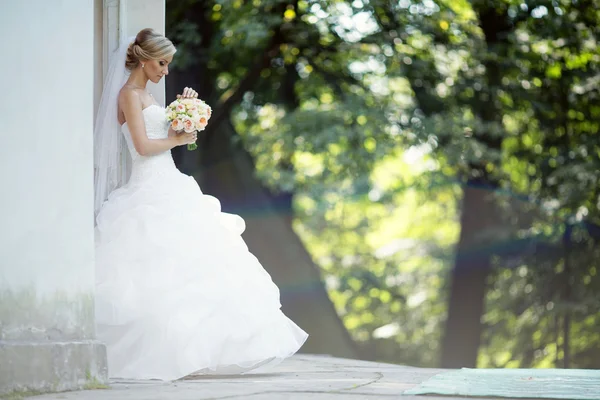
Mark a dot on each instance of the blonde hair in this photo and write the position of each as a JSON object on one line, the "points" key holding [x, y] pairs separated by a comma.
{"points": [[148, 45]]}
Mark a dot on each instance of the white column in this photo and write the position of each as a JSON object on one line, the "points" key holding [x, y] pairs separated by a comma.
{"points": [[46, 207], [125, 18]]}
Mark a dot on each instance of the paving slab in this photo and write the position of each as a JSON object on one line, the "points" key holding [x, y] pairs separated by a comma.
{"points": [[311, 377]]}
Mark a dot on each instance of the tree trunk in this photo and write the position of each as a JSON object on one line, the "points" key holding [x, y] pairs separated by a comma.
{"points": [[480, 217], [465, 306], [227, 172], [568, 268]]}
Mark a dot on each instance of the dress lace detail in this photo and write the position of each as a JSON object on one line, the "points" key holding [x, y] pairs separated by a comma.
{"points": [[177, 291]]}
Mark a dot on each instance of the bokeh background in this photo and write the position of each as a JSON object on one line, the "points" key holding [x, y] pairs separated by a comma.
{"points": [[420, 178]]}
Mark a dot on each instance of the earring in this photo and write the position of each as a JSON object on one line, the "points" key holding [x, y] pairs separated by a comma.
{"points": [[142, 65]]}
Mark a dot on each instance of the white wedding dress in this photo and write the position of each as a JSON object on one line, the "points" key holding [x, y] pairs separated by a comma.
{"points": [[177, 291]]}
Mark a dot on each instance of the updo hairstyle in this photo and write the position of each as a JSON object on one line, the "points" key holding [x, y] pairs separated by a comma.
{"points": [[148, 45]]}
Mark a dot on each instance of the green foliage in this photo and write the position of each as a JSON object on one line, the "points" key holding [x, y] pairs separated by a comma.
{"points": [[372, 113], [385, 274]]}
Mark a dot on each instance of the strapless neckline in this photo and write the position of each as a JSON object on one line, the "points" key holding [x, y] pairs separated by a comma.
{"points": [[144, 109]]}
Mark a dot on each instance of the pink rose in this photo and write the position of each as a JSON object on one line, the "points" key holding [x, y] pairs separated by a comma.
{"points": [[188, 125], [180, 108], [202, 124], [177, 124]]}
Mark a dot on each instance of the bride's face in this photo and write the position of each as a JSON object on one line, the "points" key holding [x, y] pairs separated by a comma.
{"points": [[156, 69]]}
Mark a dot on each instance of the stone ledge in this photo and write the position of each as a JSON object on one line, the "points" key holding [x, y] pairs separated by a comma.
{"points": [[51, 366]]}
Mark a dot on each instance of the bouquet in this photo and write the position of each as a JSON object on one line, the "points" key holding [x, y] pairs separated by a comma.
{"points": [[188, 115]]}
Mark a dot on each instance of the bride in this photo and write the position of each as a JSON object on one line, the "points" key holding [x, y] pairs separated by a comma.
{"points": [[177, 291]]}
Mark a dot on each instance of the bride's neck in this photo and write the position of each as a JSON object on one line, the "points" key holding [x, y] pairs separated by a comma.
{"points": [[138, 78]]}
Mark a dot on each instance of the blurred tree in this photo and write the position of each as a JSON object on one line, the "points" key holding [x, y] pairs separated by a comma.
{"points": [[551, 154], [254, 52], [316, 103], [469, 66]]}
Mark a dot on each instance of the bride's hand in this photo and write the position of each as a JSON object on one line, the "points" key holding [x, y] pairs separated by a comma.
{"points": [[187, 138], [188, 93], [173, 133], [183, 138]]}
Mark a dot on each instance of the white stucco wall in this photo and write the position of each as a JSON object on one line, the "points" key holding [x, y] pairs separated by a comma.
{"points": [[50, 88], [46, 206]]}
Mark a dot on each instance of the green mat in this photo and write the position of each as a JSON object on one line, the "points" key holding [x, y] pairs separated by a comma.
{"points": [[575, 384]]}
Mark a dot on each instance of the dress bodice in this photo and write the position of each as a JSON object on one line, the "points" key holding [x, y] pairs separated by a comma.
{"points": [[157, 127]]}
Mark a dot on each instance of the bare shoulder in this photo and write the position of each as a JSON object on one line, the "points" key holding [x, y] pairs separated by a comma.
{"points": [[129, 98], [129, 105]]}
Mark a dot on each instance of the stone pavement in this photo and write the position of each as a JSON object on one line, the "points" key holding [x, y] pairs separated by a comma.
{"points": [[300, 377]]}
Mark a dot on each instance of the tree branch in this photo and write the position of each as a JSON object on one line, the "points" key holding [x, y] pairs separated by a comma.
{"points": [[334, 79], [262, 62], [224, 108]]}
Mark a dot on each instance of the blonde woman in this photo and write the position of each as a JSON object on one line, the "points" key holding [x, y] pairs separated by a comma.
{"points": [[177, 291]]}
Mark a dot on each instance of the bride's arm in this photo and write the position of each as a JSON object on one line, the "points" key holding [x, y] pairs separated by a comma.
{"points": [[132, 108]]}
